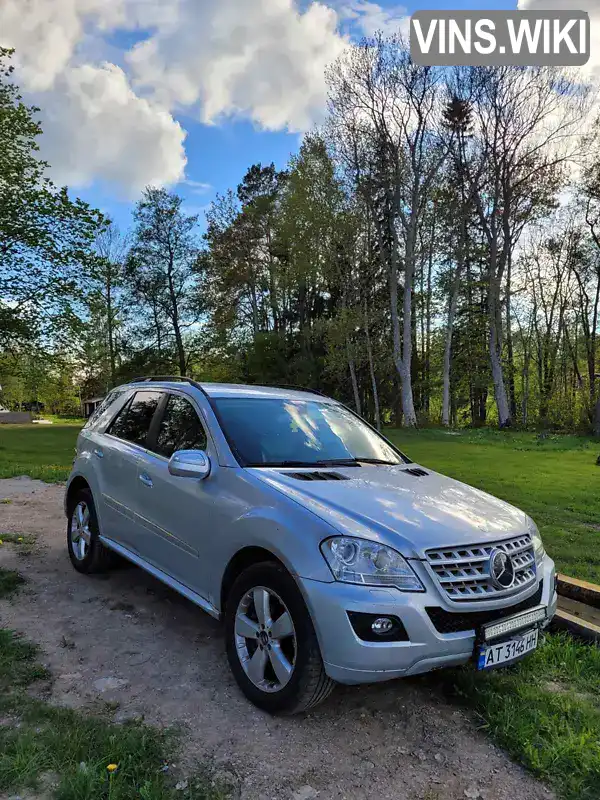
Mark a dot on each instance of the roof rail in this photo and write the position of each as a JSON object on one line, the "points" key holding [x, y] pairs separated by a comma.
{"points": [[183, 379], [171, 379], [291, 387]]}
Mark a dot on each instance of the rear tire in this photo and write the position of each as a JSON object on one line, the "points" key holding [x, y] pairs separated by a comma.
{"points": [[87, 553], [276, 663]]}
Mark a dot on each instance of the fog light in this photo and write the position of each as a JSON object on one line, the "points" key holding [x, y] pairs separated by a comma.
{"points": [[382, 625]]}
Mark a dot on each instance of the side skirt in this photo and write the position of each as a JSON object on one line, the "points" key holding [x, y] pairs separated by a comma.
{"points": [[162, 576]]}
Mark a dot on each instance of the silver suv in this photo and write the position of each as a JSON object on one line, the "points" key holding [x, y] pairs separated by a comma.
{"points": [[330, 556]]}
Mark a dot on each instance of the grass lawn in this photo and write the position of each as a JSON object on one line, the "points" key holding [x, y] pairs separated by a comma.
{"points": [[40, 451], [555, 480], [545, 711]]}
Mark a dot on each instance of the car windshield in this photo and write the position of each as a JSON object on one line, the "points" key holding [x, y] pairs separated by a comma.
{"points": [[280, 432]]}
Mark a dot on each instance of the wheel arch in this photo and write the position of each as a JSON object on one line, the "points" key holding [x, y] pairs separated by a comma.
{"points": [[76, 484], [243, 559]]}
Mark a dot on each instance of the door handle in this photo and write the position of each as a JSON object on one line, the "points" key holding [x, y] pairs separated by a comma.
{"points": [[146, 480], [98, 453]]}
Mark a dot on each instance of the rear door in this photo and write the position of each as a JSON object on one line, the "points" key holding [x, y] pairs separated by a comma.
{"points": [[118, 454], [177, 511]]}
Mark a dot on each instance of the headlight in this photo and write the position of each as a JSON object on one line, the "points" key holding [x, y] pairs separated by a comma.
{"points": [[361, 561], [538, 545]]}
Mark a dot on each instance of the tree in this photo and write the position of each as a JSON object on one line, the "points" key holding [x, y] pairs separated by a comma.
{"points": [[525, 121], [162, 266], [45, 237], [458, 122], [107, 270], [381, 94]]}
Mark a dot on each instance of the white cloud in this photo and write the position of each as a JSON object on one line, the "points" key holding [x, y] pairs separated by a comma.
{"points": [[370, 17], [97, 127], [47, 33], [108, 114], [265, 62]]}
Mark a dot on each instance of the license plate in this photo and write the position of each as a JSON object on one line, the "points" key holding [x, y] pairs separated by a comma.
{"points": [[494, 655]]}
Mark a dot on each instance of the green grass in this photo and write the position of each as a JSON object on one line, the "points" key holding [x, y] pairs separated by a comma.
{"points": [[545, 712], [65, 753], [44, 452], [79, 421], [555, 480], [9, 582]]}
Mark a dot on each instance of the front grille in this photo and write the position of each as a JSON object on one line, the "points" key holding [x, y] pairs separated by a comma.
{"points": [[463, 572], [457, 622]]}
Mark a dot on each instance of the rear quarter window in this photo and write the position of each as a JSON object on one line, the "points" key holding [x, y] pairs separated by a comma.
{"points": [[133, 422], [110, 398]]}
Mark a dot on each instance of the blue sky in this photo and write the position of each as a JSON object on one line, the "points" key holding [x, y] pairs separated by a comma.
{"points": [[121, 83], [218, 155]]}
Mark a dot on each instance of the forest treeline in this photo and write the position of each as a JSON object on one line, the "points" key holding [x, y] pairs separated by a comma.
{"points": [[431, 255]]}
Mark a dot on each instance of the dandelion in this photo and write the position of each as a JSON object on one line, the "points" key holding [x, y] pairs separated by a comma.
{"points": [[112, 771], [20, 539]]}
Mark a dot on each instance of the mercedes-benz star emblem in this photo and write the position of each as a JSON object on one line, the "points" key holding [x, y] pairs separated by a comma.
{"points": [[502, 569]]}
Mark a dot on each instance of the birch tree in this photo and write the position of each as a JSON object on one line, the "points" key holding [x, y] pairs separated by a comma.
{"points": [[377, 89], [525, 122]]}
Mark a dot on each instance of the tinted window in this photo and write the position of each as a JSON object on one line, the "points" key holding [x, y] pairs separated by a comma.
{"points": [[303, 432], [108, 400], [133, 422], [180, 428]]}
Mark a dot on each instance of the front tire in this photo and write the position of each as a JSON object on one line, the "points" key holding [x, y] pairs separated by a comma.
{"points": [[87, 553], [271, 643]]}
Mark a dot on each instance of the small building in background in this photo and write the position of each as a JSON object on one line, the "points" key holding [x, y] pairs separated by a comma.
{"points": [[89, 406]]}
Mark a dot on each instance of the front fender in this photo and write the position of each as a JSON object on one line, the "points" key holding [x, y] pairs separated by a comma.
{"points": [[290, 541]]}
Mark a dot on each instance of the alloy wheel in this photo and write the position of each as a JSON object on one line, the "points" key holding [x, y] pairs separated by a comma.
{"points": [[81, 535], [265, 639]]}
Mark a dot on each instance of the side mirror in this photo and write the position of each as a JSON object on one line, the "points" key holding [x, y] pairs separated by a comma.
{"points": [[190, 464]]}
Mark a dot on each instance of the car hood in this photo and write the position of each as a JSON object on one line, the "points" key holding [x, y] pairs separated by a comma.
{"points": [[410, 513]]}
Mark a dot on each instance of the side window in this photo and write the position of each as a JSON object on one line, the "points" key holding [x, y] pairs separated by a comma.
{"points": [[108, 400], [180, 428], [133, 422]]}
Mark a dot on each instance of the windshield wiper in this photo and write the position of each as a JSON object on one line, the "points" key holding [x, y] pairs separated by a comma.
{"points": [[329, 462], [333, 462], [378, 461], [338, 462]]}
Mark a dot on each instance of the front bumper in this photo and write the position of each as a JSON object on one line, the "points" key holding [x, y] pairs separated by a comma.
{"points": [[351, 660]]}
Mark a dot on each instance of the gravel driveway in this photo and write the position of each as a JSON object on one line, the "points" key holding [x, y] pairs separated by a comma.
{"points": [[129, 641]]}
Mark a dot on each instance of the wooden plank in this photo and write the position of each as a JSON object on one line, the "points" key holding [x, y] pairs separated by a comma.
{"points": [[580, 610], [582, 591], [577, 626]]}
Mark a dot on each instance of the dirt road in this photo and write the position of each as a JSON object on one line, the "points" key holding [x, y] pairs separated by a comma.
{"points": [[128, 640]]}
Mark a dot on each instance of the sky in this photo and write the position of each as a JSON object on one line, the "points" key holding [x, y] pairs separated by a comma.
{"points": [[189, 93]]}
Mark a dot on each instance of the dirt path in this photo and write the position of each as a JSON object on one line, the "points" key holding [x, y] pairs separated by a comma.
{"points": [[126, 639]]}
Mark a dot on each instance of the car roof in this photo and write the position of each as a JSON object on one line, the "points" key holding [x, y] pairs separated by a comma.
{"points": [[238, 390]]}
